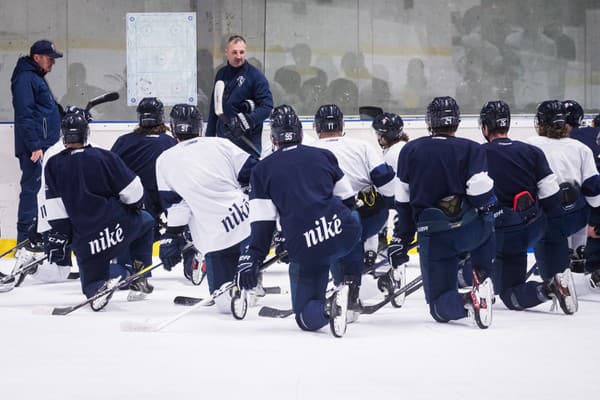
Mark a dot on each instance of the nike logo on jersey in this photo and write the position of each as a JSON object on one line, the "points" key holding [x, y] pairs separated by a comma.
{"points": [[323, 230], [238, 215], [106, 239]]}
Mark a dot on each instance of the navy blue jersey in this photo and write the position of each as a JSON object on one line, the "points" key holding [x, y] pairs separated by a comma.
{"points": [[87, 193], [242, 83], [433, 167], [304, 186], [139, 152], [588, 135], [517, 166]]}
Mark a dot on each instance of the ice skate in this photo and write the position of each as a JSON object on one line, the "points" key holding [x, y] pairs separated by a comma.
{"points": [[391, 281], [140, 288], [478, 303], [561, 289], [24, 256], [102, 301], [354, 304], [337, 308], [595, 281]]}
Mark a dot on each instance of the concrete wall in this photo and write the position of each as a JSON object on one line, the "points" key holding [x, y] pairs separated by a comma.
{"points": [[104, 135]]}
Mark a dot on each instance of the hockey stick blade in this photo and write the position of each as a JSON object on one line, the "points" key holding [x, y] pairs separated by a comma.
{"points": [[103, 98], [190, 301], [271, 312], [157, 326], [218, 97], [186, 300], [369, 112]]}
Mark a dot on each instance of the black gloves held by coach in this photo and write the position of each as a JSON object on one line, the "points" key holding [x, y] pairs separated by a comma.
{"points": [[238, 126]]}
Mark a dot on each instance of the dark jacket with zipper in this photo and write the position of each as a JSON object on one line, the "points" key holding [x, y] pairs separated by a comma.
{"points": [[37, 116]]}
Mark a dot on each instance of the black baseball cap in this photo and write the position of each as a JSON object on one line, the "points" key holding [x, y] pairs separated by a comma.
{"points": [[45, 47]]}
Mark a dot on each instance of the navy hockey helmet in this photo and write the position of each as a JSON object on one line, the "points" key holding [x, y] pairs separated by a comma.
{"points": [[186, 121], [329, 118], [550, 113], [574, 113], [150, 112], [74, 128], [286, 128], [388, 126], [444, 113], [495, 115]]}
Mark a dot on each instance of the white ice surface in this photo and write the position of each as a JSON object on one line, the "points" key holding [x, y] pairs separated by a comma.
{"points": [[392, 354]]}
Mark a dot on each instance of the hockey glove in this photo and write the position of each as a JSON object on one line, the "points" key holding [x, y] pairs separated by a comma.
{"points": [[279, 243], [36, 239], [171, 246], [247, 106], [55, 246], [238, 126], [247, 275], [397, 252], [490, 207]]}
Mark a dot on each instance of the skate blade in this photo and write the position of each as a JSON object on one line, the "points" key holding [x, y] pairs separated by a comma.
{"points": [[136, 296]]}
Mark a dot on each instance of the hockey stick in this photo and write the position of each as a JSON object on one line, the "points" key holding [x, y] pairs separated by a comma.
{"points": [[123, 283], [190, 301], [218, 101], [369, 112], [17, 247], [408, 289], [149, 326], [103, 98], [271, 312], [9, 282], [530, 271]]}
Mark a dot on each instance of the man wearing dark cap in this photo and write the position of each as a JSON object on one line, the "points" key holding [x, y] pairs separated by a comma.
{"points": [[37, 127]]}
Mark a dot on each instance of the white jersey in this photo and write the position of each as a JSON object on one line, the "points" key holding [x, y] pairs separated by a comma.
{"points": [[42, 221], [570, 160], [392, 153], [204, 173], [357, 159]]}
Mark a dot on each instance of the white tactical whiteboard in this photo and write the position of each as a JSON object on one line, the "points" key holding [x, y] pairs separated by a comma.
{"points": [[161, 57]]}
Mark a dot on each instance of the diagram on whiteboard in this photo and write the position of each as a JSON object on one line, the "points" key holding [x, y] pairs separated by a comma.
{"points": [[161, 57]]}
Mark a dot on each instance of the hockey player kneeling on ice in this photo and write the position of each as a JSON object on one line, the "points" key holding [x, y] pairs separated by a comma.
{"points": [[93, 203], [573, 164], [389, 129], [305, 188], [445, 187], [140, 149], [527, 191], [585, 258], [372, 181], [201, 181]]}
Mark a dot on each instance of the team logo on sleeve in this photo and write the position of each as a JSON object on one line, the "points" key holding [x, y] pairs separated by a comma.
{"points": [[106, 239], [323, 230]]}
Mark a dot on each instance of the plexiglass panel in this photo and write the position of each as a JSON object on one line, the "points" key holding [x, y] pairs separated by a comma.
{"points": [[395, 54]]}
